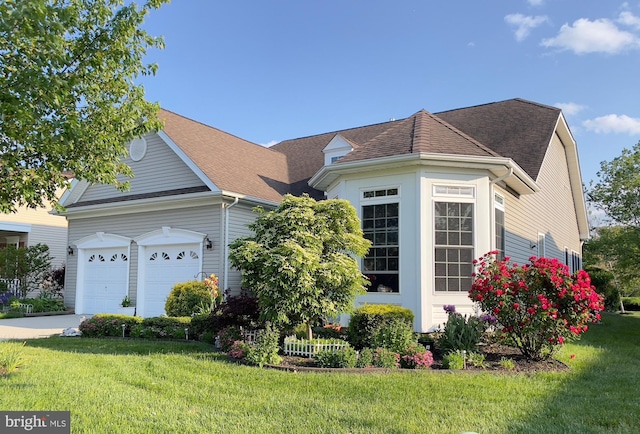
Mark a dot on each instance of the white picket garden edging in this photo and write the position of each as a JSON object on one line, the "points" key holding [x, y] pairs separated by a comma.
{"points": [[304, 348]]}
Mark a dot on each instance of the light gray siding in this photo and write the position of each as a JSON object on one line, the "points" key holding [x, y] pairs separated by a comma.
{"points": [[159, 170], [55, 237], [204, 219], [239, 217], [551, 212]]}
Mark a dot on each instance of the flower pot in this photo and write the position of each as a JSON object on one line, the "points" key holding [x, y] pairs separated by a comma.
{"points": [[129, 310]]}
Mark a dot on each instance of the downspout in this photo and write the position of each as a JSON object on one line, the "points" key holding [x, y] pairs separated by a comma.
{"points": [[503, 177], [225, 285]]}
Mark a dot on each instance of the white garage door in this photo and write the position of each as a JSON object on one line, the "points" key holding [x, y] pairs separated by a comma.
{"points": [[105, 279], [165, 266]]}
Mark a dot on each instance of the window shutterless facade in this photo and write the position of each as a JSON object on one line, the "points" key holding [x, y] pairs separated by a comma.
{"points": [[381, 225], [454, 238]]}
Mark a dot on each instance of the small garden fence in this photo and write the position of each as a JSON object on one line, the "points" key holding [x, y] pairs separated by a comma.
{"points": [[12, 285], [305, 348]]}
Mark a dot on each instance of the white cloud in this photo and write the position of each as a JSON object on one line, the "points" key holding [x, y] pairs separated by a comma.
{"points": [[599, 36], [628, 19], [270, 144], [613, 124], [524, 24], [570, 108], [536, 2]]}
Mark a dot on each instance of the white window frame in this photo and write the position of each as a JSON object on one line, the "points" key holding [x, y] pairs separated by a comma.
{"points": [[576, 262], [454, 193], [391, 195], [499, 204], [541, 245]]}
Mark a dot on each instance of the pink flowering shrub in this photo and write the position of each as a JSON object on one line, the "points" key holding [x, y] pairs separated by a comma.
{"points": [[538, 305], [416, 357], [239, 350]]}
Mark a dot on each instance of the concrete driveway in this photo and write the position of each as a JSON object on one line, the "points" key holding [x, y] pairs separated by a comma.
{"points": [[37, 326]]}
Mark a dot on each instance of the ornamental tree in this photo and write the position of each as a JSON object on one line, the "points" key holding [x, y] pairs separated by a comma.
{"points": [[302, 261], [538, 306], [68, 98]]}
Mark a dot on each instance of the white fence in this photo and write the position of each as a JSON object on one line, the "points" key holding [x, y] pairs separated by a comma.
{"points": [[13, 285], [305, 348]]}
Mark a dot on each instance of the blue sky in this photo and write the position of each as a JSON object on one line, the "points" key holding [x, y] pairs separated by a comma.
{"points": [[268, 71]]}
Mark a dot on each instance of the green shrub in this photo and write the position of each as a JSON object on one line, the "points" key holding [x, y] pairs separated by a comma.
{"points": [[631, 303], [508, 364], [454, 360], [365, 358], [264, 351], [199, 326], [476, 359], [227, 336], [187, 298], [44, 303], [367, 318], [162, 327], [604, 282], [460, 332], [395, 335], [331, 331], [108, 325], [384, 358], [343, 358]]}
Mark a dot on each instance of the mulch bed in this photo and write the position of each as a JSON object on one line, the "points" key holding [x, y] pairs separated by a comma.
{"points": [[493, 354]]}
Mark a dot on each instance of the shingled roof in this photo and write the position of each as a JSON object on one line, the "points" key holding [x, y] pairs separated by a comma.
{"points": [[516, 128], [231, 163]]}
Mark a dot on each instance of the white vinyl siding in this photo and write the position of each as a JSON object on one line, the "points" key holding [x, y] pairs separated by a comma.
{"points": [[150, 174]]}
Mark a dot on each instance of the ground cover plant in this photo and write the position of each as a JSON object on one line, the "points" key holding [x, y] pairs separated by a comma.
{"points": [[138, 386]]}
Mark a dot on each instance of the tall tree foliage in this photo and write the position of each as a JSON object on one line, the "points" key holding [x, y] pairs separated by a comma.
{"points": [[617, 248], [302, 261], [617, 193], [68, 98]]}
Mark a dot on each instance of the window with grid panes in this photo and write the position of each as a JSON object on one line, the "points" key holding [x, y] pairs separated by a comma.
{"points": [[454, 245], [380, 224]]}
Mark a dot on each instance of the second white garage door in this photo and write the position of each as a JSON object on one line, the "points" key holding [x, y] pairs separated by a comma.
{"points": [[165, 266]]}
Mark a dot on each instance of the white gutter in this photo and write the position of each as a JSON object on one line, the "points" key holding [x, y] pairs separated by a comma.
{"points": [[503, 177], [225, 284]]}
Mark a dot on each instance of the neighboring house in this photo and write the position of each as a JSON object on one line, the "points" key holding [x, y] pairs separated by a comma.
{"points": [[30, 226], [434, 191]]}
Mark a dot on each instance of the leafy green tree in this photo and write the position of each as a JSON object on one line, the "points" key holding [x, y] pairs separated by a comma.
{"points": [[617, 249], [617, 192], [30, 265], [68, 98], [301, 263]]}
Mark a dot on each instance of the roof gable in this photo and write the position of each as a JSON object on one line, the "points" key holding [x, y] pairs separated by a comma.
{"points": [[518, 129], [422, 133], [233, 164]]}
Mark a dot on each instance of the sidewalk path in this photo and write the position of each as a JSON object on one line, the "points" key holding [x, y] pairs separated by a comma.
{"points": [[37, 326]]}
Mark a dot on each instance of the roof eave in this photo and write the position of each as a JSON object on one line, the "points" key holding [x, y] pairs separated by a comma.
{"points": [[575, 176], [499, 166]]}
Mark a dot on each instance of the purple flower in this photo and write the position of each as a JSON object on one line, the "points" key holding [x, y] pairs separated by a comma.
{"points": [[488, 318], [449, 308]]}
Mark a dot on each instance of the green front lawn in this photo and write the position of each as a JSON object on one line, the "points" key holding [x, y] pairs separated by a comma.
{"points": [[124, 386]]}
